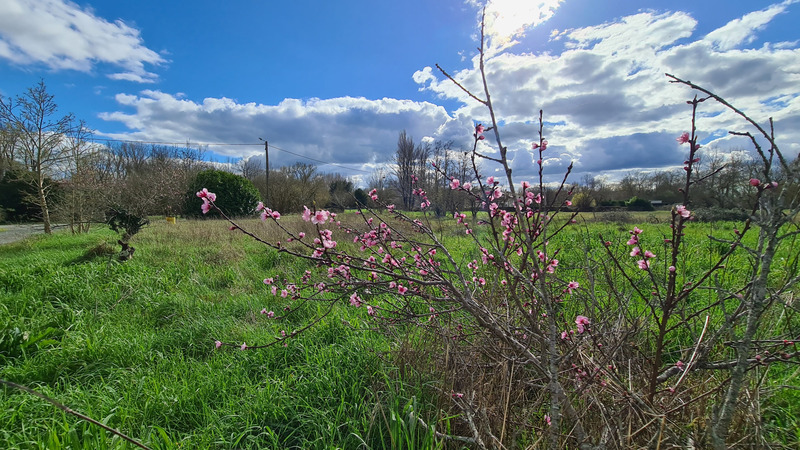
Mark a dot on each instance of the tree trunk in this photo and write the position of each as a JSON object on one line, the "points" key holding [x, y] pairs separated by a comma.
{"points": [[45, 210]]}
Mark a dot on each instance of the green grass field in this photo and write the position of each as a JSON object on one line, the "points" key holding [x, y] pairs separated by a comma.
{"points": [[132, 345]]}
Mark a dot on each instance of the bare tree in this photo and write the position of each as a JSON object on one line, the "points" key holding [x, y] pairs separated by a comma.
{"points": [[40, 141], [251, 167], [296, 186], [82, 201], [409, 166]]}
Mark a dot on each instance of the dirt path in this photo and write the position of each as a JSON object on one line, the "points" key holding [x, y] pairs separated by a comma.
{"points": [[14, 233]]}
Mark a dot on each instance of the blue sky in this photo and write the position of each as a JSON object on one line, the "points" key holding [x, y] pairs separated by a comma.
{"points": [[337, 81]]}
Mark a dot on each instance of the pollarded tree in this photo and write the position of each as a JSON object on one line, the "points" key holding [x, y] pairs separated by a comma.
{"points": [[40, 138]]}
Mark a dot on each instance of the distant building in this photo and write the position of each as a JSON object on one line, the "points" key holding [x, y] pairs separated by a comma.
{"points": [[657, 202]]}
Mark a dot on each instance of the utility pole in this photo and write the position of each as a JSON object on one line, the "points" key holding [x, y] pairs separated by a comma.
{"points": [[266, 178]]}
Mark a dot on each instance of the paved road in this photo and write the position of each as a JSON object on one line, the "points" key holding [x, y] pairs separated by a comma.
{"points": [[14, 233]]}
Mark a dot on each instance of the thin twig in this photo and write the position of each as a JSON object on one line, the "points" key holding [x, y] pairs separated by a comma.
{"points": [[69, 410]]}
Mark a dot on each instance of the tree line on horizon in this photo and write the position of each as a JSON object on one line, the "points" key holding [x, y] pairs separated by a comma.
{"points": [[51, 170]]}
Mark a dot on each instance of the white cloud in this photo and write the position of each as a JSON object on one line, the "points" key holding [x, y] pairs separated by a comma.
{"points": [[607, 103], [63, 36], [742, 30], [356, 132]]}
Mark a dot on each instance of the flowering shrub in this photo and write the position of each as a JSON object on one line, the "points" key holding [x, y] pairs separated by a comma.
{"points": [[521, 342]]}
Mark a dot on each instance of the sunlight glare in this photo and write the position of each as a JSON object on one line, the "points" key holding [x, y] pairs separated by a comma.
{"points": [[508, 19]]}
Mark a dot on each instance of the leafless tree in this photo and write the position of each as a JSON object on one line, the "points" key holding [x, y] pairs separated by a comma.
{"points": [[40, 140], [409, 165]]}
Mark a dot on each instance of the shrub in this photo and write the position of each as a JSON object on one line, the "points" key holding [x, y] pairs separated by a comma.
{"points": [[639, 204], [238, 195]]}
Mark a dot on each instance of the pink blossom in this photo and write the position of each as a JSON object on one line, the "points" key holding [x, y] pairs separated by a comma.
{"points": [[568, 203], [260, 206], [636, 230], [306, 214], [243, 347], [319, 217], [401, 289], [581, 322], [542, 146], [204, 194], [370, 310], [633, 241], [271, 314], [754, 182], [264, 311], [682, 211], [682, 139], [301, 235], [206, 206], [547, 420], [636, 251], [490, 180], [649, 254], [479, 129], [455, 184], [572, 285], [217, 344], [355, 300], [643, 264], [672, 269], [373, 194], [680, 365]]}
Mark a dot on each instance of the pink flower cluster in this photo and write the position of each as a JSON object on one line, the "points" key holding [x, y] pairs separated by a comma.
{"points": [[643, 264], [267, 213], [479, 129], [208, 199], [541, 146]]}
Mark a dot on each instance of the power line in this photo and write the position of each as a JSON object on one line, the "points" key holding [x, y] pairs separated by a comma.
{"points": [[201, 144], [176, 144], [318, 160]]}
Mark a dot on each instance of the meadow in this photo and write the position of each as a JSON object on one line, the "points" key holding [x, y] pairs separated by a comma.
{"points": [[132, 345]]}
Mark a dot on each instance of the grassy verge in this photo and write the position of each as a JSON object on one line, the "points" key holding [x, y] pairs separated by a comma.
{"points": [[132, 345]]}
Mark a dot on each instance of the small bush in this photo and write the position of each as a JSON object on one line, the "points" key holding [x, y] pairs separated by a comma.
{"points": [[639, 204], [236, 195]]}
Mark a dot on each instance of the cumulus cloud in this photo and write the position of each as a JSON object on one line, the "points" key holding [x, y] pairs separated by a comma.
{"points": [[606, 101], [742, 30], [63, 36], [357, 132]]}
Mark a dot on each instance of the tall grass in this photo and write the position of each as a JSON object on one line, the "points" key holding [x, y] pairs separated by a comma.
{"points": [[132, 345]]}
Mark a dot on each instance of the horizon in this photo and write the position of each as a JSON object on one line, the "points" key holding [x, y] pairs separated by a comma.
{"points": [[337, 84]]}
